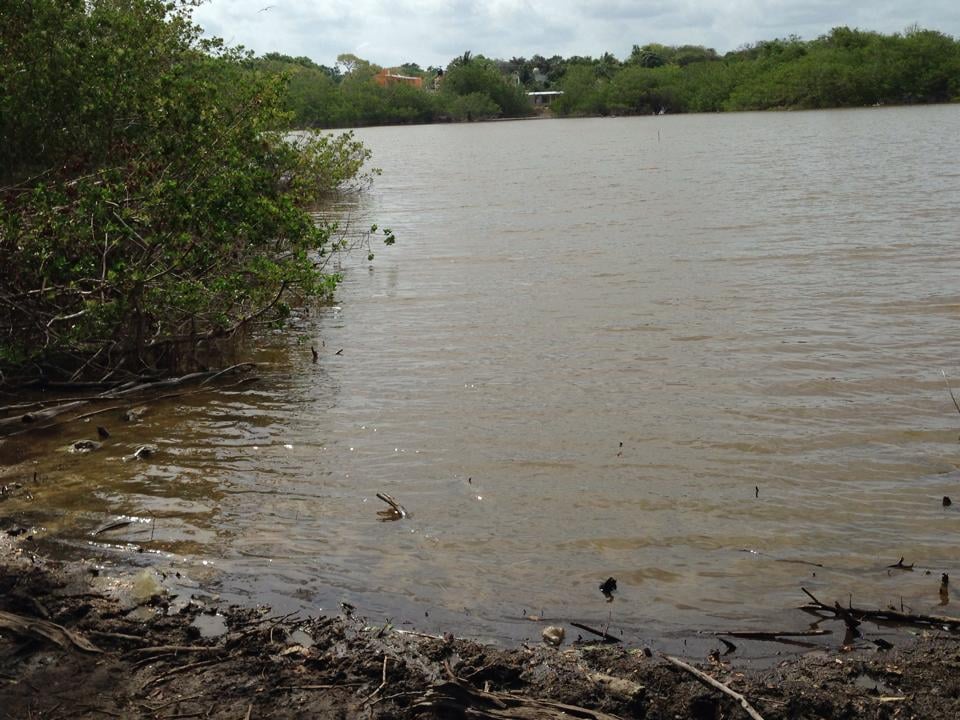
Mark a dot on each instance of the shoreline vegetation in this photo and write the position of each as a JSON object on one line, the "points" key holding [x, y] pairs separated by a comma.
{"points": [[153, 204]]}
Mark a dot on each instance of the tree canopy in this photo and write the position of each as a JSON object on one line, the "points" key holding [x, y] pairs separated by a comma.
{"points": [[844, 68]]}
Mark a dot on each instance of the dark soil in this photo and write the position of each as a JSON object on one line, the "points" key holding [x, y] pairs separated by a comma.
{"points": [[153, 661]]}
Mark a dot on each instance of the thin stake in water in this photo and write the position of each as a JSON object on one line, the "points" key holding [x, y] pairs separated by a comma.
{"points": [[950, 390]]}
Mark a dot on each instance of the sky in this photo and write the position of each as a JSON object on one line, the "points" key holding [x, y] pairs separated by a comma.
{"points": [[433, 32]]}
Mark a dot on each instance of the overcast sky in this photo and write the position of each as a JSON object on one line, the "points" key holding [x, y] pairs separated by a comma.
{"points": [[432, 32]]}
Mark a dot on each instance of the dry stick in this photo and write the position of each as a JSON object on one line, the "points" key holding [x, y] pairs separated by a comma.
{"points": [[183, 668], [116, 636], [414, 633], [382, 684], [606, 636], [744, 703], [176, 649], [37, 628], [168, 703], [457, 697], [386, 698]]}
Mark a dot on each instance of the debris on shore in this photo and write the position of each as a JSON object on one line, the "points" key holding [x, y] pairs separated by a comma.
{"points": [[69, 649]]}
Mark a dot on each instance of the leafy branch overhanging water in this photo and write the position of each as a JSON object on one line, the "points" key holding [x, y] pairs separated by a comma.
{"points": [[150, 204]]}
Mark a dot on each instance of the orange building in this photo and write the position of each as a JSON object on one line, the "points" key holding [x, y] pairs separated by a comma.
{"points": [[387, 77]]}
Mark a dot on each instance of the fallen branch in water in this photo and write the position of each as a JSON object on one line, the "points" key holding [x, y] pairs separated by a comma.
{"points": [[44, 418], [607, 637], [713, 682], [888, 616], [396, 512], [762, 635]]}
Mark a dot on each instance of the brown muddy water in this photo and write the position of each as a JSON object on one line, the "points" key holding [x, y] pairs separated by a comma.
{"points": [[757, 306]]}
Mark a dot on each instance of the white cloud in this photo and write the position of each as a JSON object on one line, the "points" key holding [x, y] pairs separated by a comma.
{"points": [[432, 32]]}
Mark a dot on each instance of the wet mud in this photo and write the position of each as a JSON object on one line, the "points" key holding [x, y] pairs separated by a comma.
{"points": [[73, 647]]}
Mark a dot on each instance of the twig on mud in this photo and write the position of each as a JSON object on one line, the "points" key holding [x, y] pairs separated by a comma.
{"points": [[157, 649], [414, 633], [91, 709], [387, 698], [249, 710], [383, 684], [713, 682], [116, 636], [44, 629], [452, 699], [183, 668], [161, 706]]}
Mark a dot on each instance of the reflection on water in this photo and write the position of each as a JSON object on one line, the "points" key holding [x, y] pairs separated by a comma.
{"points": [[756, 306]]}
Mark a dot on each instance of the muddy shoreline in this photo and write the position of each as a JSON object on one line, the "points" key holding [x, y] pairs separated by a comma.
{"points": [[72, 645]]}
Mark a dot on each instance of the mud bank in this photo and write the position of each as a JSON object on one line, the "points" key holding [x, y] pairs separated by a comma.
{"points": [[71, 647]]}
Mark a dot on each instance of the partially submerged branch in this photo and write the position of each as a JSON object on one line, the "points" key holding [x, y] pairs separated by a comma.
{"points": [[887, 616], [25, 422]]}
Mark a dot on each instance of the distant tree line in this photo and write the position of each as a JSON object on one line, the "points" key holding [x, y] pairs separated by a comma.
{"points": [[346, 95], [844, 68]]}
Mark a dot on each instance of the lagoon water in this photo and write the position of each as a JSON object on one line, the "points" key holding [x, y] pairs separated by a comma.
{"points": [[757, 306]]}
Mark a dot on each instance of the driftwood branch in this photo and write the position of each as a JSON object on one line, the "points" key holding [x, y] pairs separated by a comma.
{"points": [[396, 511], [45, 630], [762, 635], [45, 418], [714, 683], [888, 616]]}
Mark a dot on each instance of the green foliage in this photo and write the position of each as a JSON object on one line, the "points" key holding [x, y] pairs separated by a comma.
{"points": [[584, 91], [845, 68], [648, 56], [476, 88], [473, 106], [149, 203]]}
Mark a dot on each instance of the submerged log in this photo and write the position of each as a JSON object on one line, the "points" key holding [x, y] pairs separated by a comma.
{"points": [[49, 416]]}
